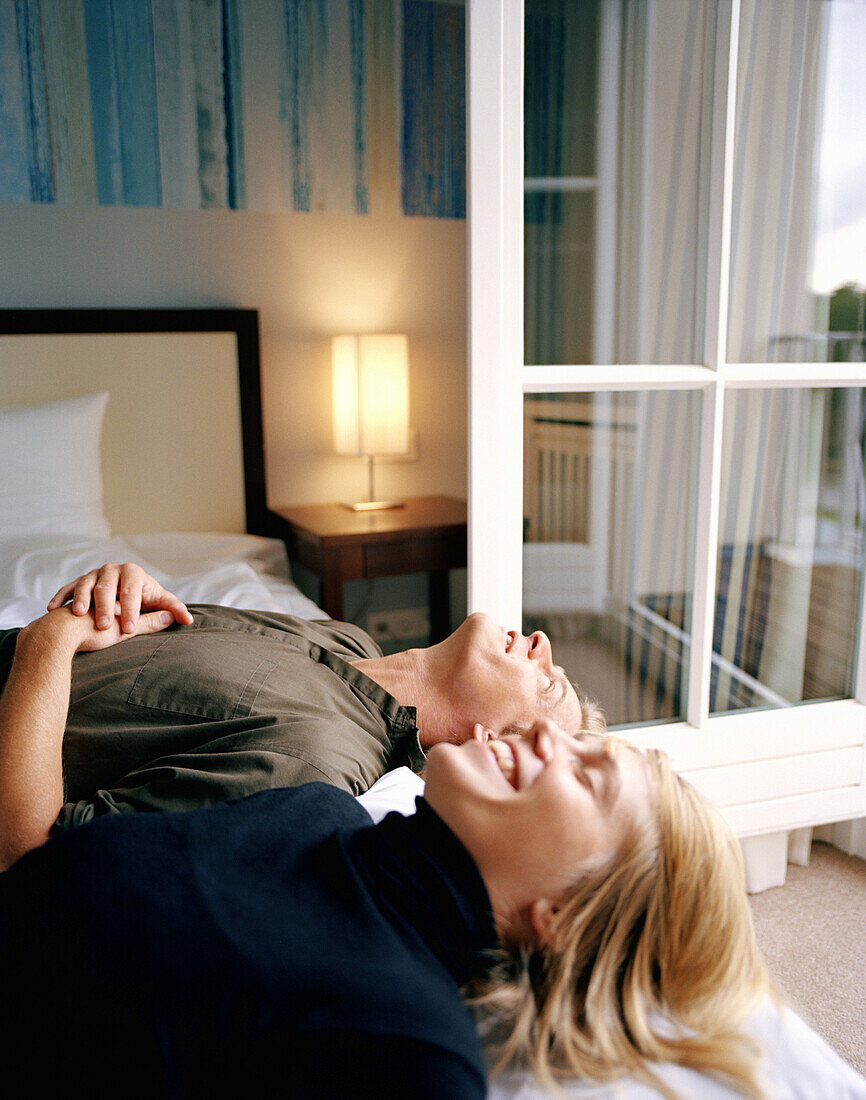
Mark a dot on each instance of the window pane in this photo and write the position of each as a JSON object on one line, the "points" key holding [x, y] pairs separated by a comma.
{"points": [[790, 566], [616, 119], [609, 513], [559, 286], [798, 266]]}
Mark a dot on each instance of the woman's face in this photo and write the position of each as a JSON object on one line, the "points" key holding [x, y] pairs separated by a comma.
{"points": [[502, 678], [535, 809]]}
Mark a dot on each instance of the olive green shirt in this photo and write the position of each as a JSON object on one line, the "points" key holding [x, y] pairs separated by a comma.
{"points": [[239, 702]]}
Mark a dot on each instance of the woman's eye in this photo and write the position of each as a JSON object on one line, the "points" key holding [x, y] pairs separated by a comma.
{"points": [[583, 777]]}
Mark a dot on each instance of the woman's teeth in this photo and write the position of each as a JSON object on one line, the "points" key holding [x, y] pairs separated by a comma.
{"points": [[504, 758]]}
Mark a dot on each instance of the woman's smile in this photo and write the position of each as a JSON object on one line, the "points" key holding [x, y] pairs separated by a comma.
{"points": [[535, 808], [505, 757]]}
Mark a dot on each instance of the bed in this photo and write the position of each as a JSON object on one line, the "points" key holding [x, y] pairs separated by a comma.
{"points": [[107, 427], [107, 423]]}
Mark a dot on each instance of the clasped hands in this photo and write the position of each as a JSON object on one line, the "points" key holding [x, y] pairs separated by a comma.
{"points": [[115, 602]]}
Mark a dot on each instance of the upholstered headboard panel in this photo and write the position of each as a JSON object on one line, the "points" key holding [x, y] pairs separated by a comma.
{"points": [[182, 444]]}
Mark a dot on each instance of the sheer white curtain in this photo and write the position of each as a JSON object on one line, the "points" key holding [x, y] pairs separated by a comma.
{"points": [[775, 211], [772, 445], [773, 439], [666, 65]]}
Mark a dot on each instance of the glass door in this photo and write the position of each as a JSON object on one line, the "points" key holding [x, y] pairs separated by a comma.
{"points": [[668, 288]]}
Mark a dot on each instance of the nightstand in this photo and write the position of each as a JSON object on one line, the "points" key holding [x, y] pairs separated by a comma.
{"points": [[427, 535]]}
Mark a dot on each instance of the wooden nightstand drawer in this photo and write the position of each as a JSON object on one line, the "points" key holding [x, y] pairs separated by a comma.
{"points": [[388, 559], [428, 535]]}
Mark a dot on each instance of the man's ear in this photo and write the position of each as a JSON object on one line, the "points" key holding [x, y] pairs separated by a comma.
{"points": [[541, 914]]}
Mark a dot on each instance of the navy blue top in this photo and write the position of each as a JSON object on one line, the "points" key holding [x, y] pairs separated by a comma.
{"points": [[277, 945]]}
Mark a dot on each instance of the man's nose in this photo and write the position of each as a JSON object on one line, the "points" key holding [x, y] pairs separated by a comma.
{"points": [[539, 646]]}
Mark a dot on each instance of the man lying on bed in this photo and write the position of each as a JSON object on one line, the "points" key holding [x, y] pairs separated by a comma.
{"points": [[232, 702]]}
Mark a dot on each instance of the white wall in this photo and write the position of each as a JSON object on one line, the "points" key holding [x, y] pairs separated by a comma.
{"points": [[310, 276]]}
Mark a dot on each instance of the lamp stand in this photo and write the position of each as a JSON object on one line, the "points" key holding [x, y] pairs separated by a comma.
{"points": [[371, 504]]}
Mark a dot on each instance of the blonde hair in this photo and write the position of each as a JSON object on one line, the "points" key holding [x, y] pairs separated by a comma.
{"points": [[651, 958]]}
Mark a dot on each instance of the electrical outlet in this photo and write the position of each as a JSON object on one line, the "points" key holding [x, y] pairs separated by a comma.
{"points": [[398, 625]]}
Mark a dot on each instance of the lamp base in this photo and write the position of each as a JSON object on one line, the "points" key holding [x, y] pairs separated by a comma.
{"points": [[373, 505]]}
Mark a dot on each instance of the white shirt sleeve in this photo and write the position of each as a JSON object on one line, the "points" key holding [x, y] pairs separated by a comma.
{"points": [[396, 790]]}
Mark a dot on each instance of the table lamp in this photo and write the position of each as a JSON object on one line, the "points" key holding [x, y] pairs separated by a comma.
{"points": [[370, 375]]}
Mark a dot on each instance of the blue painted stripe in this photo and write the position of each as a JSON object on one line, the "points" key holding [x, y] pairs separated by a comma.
{"points": [[294, 111], [136, 102], [175, 81], [210, 102], [417, 66], [101, 69], [67, 94], [15, 161], [233, 96], [123, 96], [34, 100], [357, 19]]}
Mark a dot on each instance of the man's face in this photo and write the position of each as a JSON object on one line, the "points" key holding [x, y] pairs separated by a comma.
{"points": [[504, 679]]}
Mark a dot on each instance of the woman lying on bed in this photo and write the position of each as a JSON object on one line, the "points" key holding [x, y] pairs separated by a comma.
{"points": [[282, 943]]}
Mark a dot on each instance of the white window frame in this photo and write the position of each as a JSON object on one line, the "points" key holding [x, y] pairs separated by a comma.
{"points": [[770, 770]]}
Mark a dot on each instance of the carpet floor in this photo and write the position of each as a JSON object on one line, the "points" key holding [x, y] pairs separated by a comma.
{"points": [[812, 932]]}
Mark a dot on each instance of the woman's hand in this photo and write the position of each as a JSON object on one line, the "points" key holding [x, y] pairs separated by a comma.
{"points": [[118, 594]]}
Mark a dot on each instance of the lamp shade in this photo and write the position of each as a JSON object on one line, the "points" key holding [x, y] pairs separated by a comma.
{"points": [[370, 375]]}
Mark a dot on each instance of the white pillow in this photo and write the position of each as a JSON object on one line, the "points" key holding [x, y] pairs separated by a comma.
{"points": [[798, 1065], [52, 477]]}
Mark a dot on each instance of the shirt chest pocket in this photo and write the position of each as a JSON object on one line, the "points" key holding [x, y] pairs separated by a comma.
{"points": [[212, 676]]}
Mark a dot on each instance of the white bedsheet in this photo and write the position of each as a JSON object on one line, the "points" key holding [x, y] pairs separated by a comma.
{"points": [[244, 571]]}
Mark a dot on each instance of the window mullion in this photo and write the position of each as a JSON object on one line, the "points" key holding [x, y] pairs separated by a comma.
{"points": [[793, 375], [720, 192], [721, 186], [860, 667], [706, 551], [495, 237], [577, 377]]}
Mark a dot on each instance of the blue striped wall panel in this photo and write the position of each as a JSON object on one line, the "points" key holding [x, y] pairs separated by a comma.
{"points": [[155, 102]]}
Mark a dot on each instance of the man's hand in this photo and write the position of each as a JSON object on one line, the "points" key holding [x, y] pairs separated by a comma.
{"points": [[64, 632], [120, 592], [33, 707], [89, 637]]}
